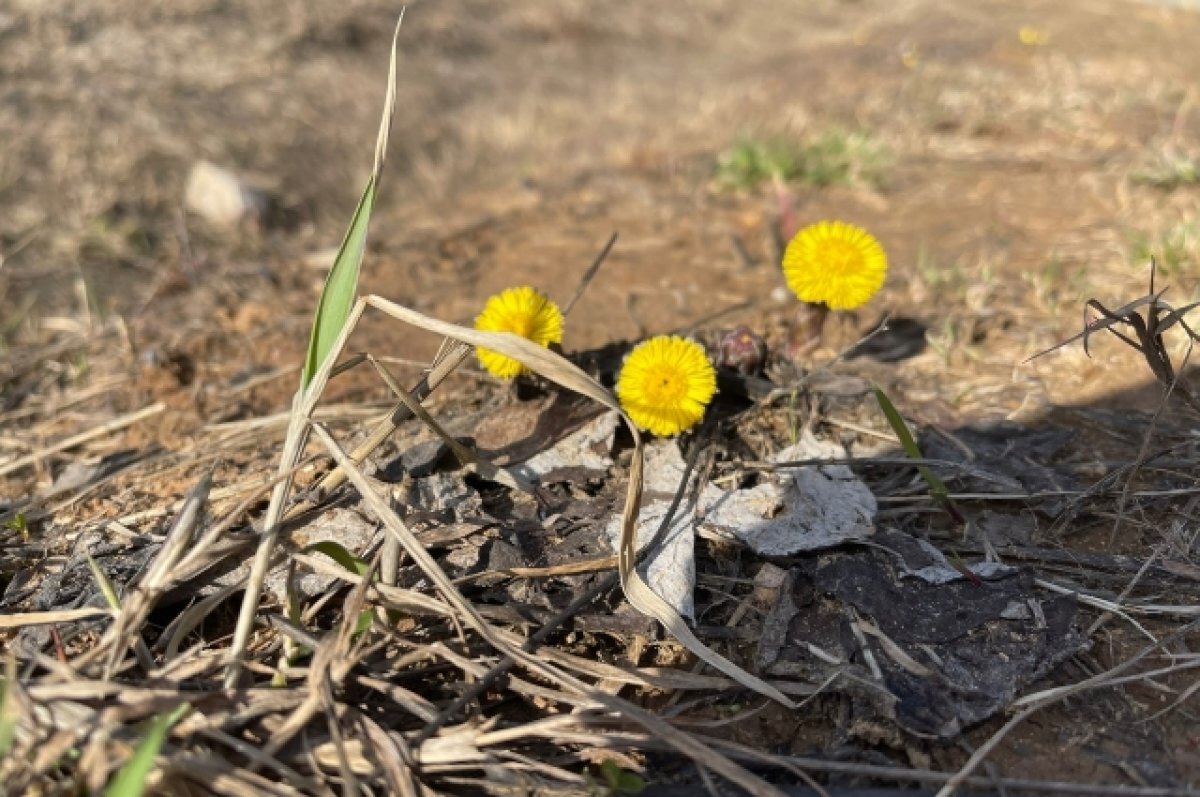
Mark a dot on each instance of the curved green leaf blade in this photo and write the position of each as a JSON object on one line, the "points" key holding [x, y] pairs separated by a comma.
{"points": [[339, 554], [341, 286], [8, 708], [909, 444], [131, 780]]}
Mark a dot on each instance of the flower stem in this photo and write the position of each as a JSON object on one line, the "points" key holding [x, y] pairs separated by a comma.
{"points": [[805, 334]]}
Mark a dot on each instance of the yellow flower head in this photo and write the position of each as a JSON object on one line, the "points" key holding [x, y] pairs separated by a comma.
{"points": [[522, 311], [1032, 37], [835, 263], [665, 384]]}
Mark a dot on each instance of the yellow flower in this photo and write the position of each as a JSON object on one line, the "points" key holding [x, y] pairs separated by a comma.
{"points": [[1032, 37], [836, 263], [522, 311], [665, 384]]}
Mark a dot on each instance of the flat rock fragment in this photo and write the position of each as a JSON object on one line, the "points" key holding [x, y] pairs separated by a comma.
{"points": [[798, 509], [932, 651], [587, 447], [795, 510]]}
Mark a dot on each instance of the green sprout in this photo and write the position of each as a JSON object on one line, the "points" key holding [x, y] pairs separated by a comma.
{"points": [[833, 158], [613, 781], [1175, 250]]}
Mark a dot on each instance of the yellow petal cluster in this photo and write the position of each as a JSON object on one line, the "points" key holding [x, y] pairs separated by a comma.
{"points": [[523, 311], [666, 384], [834, 263]]}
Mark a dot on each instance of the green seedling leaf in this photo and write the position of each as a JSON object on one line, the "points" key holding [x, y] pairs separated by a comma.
{"points": [[8, 712], [339, 554], [106, 586], [936, 488], [293, 651], [365, 618], [130, 781], [898, 425], [341, 286], [631, 783], [619, 781], [343, 557], [20, 524]]}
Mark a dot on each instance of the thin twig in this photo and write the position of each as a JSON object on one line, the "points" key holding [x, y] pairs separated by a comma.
{"points": [[103, 429], [590, 274]]}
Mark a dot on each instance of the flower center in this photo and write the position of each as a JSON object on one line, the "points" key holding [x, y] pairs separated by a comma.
{"points": [[521, 325], [665, 387], [841, 257]]}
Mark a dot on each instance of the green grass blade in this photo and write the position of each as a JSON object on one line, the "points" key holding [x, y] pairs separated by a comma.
{"points": [[341, 555], [130, 781], [8, 710], [294, 651], [909, 444], [341, 286], [334, 310], [106, 587]]}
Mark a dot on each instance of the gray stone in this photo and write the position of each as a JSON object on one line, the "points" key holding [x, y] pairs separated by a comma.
{"points": [[222, 198]]}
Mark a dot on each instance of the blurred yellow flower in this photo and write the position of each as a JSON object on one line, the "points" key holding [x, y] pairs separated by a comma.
{"points": [[834, 263], [1032, 37], [665, 384], [522, 311]]}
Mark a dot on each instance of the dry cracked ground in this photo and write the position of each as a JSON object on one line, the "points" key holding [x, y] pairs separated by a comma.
{"points": [[1015, 158]]}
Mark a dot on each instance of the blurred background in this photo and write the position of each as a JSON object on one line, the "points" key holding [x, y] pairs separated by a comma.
{"points": [[190, 166]]}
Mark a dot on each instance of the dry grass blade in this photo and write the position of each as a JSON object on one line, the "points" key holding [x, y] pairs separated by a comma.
{"points": [[393, 757], [23, 619], [141, 598], [103, 429], [589, 275], [189, 619], [444, 365], [464, 455], [332, 662]]}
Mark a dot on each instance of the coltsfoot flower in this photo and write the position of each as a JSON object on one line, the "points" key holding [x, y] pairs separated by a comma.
{"points": [[666, 384], [522, 311], [836, 264]]}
